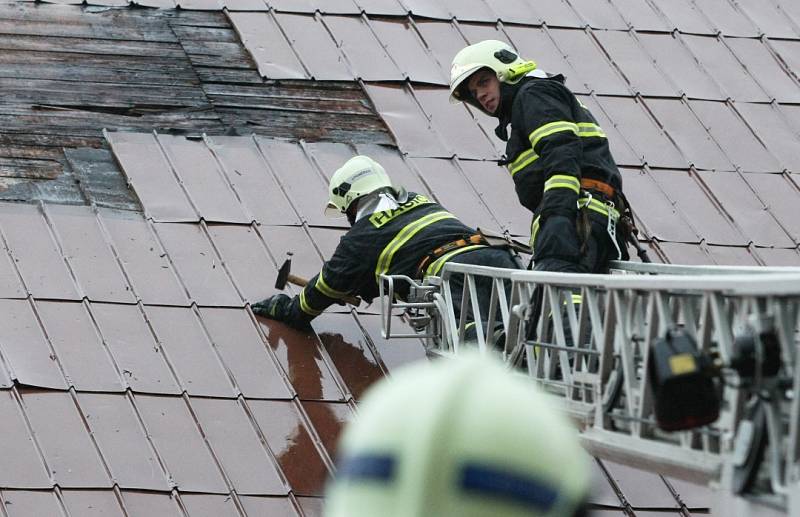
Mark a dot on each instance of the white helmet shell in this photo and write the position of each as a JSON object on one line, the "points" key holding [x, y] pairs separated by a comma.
{"points": [[358, 177], [496, 55]]}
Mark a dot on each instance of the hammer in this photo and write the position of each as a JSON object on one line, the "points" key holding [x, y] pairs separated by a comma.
{"points": [[284, 277]]}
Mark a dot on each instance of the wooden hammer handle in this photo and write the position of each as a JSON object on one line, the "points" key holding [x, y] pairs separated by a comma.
{"points": [[302, 282]]}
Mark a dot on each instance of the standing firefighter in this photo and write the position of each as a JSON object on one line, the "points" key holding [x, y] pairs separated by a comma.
{"points": [[558, 156], [392, 232]]}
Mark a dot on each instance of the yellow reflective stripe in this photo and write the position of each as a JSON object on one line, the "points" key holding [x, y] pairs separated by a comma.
{"points": [[551, 128], [534, 230], [523, 160], [305, 307], [563, 181], [599, 207], [439, 263], [408, 231], [327, 290], [577, 298], [587, 129]]}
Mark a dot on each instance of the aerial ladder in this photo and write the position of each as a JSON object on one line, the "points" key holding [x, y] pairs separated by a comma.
{"points": [[688, 371]]}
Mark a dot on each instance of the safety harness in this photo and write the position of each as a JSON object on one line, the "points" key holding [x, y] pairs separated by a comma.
{"points": [[433, 262]]}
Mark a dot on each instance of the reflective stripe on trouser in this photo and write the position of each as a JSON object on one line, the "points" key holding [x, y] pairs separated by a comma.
{"points": [[589, 202]]}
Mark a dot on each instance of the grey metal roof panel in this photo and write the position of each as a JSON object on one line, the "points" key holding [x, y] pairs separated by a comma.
{"points": [[488, 124], [722, 65], [350, 351], [641, 16], [146, 264], [68, 449], [317, 50], [246, 356], [303, 184], [789, 52], [406, 49], [328, 156], [328, 419], [791, 9], [198, 265], [243, 5], [406, 120], [427, 9], [620, 148], [22, 503], [769, 19], [92, 503], [35, 252], [675, 61], [22, 465], [230, 433], [5, 378], [10, 282], [287, 436], [382, 7], [207, 505], [206, 5], [691, 495], [460, 132], [246, 259], [640, 488], [392, 354], [496, 188], [80, 351], [781, 197], [455, 193], [366, 55], [698, 208], [265, 42], [306, 260], [601, 490], [150, 503], [638, 68], [555, 13], [791, 115], [658, 216], [469, 10], [591, 66], [188, 350], [204, 182], [149, 173], [306, 364], [763, 66], [774, 129], [779, 256], [134, 349], [326, 7], [514, 11], [26, 351], [737, 140], [443, 40], [727, 19], [599, 14], [684, 16], [692, 138], [254, 505], [88, 253], [635, 124], [732, 256], [121, 440], [311, 506], [174, 433], [680, 253], [536, 44]]}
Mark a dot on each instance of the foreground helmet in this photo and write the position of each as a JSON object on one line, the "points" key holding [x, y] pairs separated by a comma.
{"points": [[458, 438], [493, 54], [358, 177]]}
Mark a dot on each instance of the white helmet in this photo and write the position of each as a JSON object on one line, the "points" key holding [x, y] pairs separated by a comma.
{"points": [[358, 177], [459, 437], [493, 54]]}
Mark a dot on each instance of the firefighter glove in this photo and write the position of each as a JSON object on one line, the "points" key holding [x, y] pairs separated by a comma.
{"points": [[276, 307]]}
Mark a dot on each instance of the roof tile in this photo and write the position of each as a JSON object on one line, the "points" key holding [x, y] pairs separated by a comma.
{"points": [[150, 503], [237, 447], [641, 16], [782, 198], [674, 60], [737, 140], [727, 19], [80, 351], [10, 282], [732, 256], [22, 465], [247, 358], [291, 444], [329, 420], [601, 491], [599, 14], [174, 432], [197, 263], [689, 254], [394, 354], [455, 193], [684, 16], [396, 166], [641, 489], [789, 53], [763, 66], [306, 364], [773, 130], [25, 351], [306, 261], [469, 10], [687, 132], [589, 63], [67, 447], [328, 156], [691, 494], [312, 42], [768, 18], [135, 351], [722, 65], [367, 57], [698, 209], [779, 257], [535, 43], [148, 171], [637, 67], [22, 503], [555, 13], [427, 8], [620, 147], [145, 262], [268, 506], [205, 5], [88, 253], [443, 40], [265, 42], [513, 11], [35, 253], [122, 442], [385, 7], [495, 186], [207, 505], [404, 46], [192, 356], [252, 180]]}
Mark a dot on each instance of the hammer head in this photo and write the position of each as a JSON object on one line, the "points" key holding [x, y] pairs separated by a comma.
{"points": [[283, 272]]}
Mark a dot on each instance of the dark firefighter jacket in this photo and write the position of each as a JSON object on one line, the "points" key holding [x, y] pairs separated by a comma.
{"points": [[390, 242], [554, 143]]}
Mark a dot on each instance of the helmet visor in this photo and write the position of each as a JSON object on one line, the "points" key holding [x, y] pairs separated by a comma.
{"points": [[332, 210]]}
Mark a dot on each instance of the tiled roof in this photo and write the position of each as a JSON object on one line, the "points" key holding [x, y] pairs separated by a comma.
{"points": [[133, 376]]}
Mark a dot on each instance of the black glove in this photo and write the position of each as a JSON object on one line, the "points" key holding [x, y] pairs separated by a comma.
{"points": [[275, 307]]}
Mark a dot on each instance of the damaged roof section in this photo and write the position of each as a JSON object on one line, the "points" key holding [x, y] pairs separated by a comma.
{"points": [[68, 72]]}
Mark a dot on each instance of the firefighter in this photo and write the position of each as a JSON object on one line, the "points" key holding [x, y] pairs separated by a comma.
{"points": [[557, 154], [460, 437], [392, 232]]}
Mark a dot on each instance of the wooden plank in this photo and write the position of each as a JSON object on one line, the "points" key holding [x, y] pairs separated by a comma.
{"points": [[211, 74], [101, 179], [96, 73], [51, 43], [195, 33]]}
